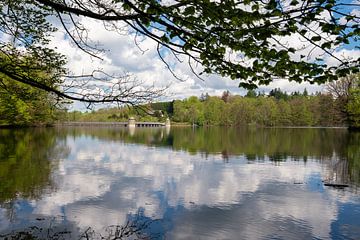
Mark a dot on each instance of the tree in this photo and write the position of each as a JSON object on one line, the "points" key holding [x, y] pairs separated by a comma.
{"points": [[346, 94], [242, 111], [20, 104], [300, 112], [165, 107], [340, 90], [179, 111], [204, 97], [251, 93], [326, 110], [226, 96], [213, 111], [26, 164], [95, 87], [222, 36], [267, 112], [284, 113], [353, 107], [305, 93], [278, 94]]}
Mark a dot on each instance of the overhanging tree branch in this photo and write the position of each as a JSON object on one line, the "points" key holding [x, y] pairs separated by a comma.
{"points": [[203, 31]]}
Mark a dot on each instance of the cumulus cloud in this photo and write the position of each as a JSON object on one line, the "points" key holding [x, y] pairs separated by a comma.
{"points": [[138, 56], [343, 54]]}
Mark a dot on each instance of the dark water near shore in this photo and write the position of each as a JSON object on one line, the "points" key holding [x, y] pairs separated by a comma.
{"points": [[183, 183]]}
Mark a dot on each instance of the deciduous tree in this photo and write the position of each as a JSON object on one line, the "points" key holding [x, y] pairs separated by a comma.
{"points": [[353, 107], [244, 40]]}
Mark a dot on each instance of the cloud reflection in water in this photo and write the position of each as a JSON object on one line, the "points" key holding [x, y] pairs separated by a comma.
{"points": [[101, 183]]}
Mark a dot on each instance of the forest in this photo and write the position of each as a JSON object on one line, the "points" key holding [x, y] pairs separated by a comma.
{"points": [[339, 105], [275, 109], [335, 107], [35, 76]]}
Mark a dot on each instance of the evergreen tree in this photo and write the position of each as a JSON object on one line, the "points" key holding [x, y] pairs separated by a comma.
{"points": [[251, 94]]}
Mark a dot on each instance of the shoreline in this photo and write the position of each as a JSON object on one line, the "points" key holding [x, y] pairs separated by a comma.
{"points": [[173, 124]]}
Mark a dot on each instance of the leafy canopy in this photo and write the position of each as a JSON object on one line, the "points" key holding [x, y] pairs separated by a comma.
{"points": [[246, 40], [353, 104], [22, 104]]}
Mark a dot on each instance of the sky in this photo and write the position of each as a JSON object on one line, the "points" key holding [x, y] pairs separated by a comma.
{"points": [[141, 60], [123, 56]]}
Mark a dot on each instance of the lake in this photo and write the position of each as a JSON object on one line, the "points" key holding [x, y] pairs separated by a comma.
{"points": [[179, 183]]}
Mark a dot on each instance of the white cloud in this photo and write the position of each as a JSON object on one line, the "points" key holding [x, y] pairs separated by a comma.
{"points": [[355, 12], [123, 55], [343, 54], [138, 55]]}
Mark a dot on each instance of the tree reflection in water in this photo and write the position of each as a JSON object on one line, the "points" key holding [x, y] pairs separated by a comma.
{"points": [[125, 177], [27, 159], [345, 165], [137, 227], [338, 149]]}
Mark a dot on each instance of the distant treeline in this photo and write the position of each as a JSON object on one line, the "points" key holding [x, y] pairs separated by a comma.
{"points": [[338, 106], [21, 105], [122, 114], [275, 109]]}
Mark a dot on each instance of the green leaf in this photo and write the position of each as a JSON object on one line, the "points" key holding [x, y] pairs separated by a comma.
{"points": [[316, 38], [277, 12], [326, 45], [189, 10]]}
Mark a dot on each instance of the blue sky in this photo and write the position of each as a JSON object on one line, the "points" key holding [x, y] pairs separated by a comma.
{"points": [[142, 61]]}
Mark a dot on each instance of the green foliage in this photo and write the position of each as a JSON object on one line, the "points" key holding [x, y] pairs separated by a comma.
{"points": [[21, 104], [300, 112], [276, 109], [122, 114], [279, 109], [278, 144], [353, 108], [214, 111], [266, 112], [202, 30], [284, 110], [251, 94], [278, 94], [190, 110], [101, 115], [242, 111], [166, 107]]}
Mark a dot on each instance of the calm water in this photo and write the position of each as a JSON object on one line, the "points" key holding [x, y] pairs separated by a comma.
{"points": [[216, 183]]}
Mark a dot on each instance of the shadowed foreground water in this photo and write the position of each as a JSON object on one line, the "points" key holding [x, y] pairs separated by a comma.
{"points": [[215, 183]]}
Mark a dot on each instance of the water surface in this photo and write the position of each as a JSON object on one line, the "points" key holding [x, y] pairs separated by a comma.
{"points": [[183, 183]]}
